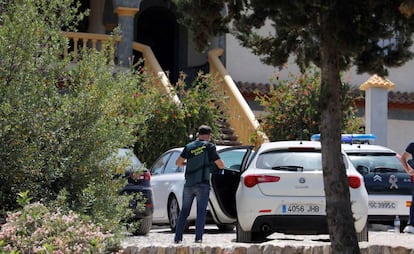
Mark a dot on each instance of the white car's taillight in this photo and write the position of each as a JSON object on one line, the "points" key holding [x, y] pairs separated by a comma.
{"points": [[252, 180], [354, 182]]}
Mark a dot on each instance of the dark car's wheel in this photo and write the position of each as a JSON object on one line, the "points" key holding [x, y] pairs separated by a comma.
{"points": [[225, 227], [243, 236], [144, 226], [363, 235]]}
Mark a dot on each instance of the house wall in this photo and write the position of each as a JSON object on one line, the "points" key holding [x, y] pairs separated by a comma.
{"points": [[246, 67]]}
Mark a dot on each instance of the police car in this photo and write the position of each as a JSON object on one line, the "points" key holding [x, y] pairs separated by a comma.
{"points": [[389, 187]]}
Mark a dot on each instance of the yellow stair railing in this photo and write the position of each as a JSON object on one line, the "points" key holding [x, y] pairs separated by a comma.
{"points": [[239, 113], [154, 67]]}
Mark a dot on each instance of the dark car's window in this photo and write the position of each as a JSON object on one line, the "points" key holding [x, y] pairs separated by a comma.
{"points": [[288, 160], [159, 165], [171, 167], [376, 161]]}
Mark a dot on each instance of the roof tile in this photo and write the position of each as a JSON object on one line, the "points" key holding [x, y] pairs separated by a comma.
{"points": [[249, 89]]}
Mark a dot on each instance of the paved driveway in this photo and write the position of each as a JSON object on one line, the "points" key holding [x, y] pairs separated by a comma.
{"points": [[163, 237]]}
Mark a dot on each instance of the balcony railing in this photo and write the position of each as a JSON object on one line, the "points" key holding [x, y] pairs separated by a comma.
{"points": [[87, 40]]}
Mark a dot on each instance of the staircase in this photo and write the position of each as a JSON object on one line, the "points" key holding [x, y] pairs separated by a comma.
{"points": [[241, 126]]}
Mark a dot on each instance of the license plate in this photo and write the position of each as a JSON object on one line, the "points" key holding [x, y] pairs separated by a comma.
{"points": [[313, 209], [382, 205]]}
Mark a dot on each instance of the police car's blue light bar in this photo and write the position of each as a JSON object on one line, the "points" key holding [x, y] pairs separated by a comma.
{"points": [[349, 138]]}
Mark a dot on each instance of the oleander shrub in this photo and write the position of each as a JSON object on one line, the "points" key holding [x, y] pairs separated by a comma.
{"points": [[292, 109], [37, 228]]}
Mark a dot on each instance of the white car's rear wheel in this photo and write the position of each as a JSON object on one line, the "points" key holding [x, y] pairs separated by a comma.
{"points": [[363, 235], [173, 212], [243, 236]]}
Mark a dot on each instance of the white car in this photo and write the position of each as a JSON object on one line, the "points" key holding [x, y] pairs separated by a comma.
{"points": [[389, 186], [282, 190], [167, 182]]}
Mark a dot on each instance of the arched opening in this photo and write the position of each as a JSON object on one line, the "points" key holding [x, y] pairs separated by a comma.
{"points": [[156, 26], [82, 26]]}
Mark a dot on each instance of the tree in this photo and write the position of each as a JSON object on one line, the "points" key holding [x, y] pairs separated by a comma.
{"points": [[334, 35]]}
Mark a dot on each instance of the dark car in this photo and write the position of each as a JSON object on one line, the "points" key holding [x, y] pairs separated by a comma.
{"points": [[139, 182]]}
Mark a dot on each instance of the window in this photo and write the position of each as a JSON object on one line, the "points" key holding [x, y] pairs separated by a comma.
{"points": [[309, 161], [171, 167], [159, 165]]}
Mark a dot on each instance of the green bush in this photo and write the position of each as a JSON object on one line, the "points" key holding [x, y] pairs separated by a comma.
{"points": [[292, 108]]}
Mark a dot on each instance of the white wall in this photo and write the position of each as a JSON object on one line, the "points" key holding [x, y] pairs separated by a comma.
{"points": [[402, 77], [400, 133], [244, 66]]}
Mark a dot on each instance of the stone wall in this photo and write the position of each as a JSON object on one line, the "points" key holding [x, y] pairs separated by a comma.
{"points": [[263, 248]]}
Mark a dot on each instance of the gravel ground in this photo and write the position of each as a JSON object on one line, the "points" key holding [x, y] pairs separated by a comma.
{"points": [[161, 236]]}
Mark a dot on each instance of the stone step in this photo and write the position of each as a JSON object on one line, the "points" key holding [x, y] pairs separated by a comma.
{"points": [[227, 135]]}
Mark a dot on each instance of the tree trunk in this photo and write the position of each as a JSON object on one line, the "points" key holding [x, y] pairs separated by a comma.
{"points": [[338, 206]]}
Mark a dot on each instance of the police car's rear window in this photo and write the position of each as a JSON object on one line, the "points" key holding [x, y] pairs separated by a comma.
{"points": [[375, 161]]}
